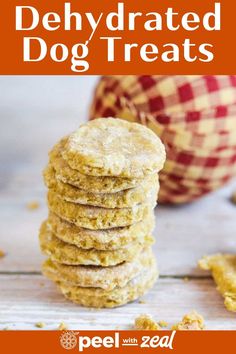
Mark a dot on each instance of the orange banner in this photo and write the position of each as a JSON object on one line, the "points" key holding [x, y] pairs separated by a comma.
{"points": [[180, 342], [114, 37]]}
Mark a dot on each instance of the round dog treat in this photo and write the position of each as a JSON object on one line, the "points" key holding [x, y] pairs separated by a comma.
{"points": [[114, 147], [96, 297], [106, 278], [88, 183], [109, 239], [98, 218], [65, 253], [123, 199]]}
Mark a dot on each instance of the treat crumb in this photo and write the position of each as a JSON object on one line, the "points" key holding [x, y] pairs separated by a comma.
{"points": [[191, 321], [186, 279], [163, 324], [141, 301], [146, 322], [62, 326], [40, 324], [233, 198], [222, 267], [33, 205], [2, 254]]}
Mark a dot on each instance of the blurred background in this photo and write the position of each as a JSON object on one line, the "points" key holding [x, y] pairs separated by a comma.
{"points": [[30, 107]]}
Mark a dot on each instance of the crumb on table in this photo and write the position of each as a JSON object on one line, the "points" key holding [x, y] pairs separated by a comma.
{"points": [[146, 322], [141, 301], [2, 253], [62, 326], [162, 324], [223, 269], [191, 321], [33, 205], [40, 324]]}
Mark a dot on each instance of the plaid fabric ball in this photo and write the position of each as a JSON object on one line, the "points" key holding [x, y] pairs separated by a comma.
{"points": [[195, 116]]}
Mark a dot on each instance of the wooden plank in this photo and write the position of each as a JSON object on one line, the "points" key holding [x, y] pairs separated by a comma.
{"points": [[25, 300]]}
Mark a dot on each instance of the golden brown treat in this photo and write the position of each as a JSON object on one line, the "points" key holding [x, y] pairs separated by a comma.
{"points": [[123, 199], [106, 278], [114, 147], [223, 268], [109, 239], [192, 321], [146, 322], [88, 183], [96, 297], [64, 253], [95, 218]]}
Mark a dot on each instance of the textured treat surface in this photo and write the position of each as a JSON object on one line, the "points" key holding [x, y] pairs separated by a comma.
{"points": [[114, 147], [190, 322], [146, 322], [99, 298], [223, 268], [109, 239], [123, 199], [100, 184], [106, 278], [98, 218], [64, 253]]}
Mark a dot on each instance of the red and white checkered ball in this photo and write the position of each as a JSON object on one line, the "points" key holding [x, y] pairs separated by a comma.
{"points": [[195, 116]]}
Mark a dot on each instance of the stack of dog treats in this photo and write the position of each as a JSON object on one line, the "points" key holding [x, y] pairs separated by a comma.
{"points": [[103, 186]]}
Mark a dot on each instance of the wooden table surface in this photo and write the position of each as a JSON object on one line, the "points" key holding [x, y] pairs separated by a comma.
{"points": [[34, 113]]}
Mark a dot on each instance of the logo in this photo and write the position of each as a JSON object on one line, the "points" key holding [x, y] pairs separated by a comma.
{"points": [[68, 340], [71, 339]]}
